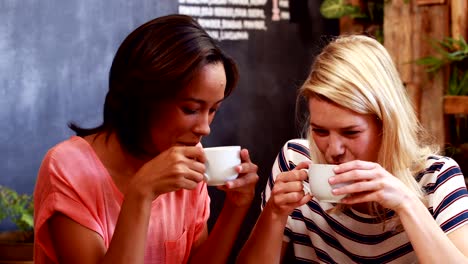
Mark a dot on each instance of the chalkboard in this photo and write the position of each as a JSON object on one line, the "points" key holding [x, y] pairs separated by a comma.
{"points": [[55, 56]]}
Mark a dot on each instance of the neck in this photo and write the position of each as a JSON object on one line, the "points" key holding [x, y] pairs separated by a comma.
{"points": [[119, 163]]}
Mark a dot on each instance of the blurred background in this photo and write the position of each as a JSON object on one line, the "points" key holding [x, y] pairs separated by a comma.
{"points": [[55, 57]]}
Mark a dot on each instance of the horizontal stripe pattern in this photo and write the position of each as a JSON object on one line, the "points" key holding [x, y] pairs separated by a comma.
{"points": [[351, 237]]}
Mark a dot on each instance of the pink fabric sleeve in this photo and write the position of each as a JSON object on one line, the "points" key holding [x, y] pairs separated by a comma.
{"points": [[57, 191]]}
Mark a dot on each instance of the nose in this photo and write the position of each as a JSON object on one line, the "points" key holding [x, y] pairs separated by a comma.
{"points": [[336, 148], [202, 127]]}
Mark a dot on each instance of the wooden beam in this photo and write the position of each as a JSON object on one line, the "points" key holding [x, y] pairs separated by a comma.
{"points": [[430, 22], [459, 20], [456, 105], [430, 2], [398, 29]]}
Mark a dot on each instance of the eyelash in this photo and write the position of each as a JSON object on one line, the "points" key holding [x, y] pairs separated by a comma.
{"points": [[319, 131], [189, 111], [323, 132], [351, 133], [192, 112]]}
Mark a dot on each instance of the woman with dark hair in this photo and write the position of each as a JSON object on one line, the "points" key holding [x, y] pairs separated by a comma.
{"points": [[131, 190]]}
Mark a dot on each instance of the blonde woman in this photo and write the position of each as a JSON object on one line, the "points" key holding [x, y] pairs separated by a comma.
{"points": [[407, 204]]}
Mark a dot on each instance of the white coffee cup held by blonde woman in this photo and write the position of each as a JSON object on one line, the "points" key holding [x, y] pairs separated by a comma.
{"points": [[221, 163], [318, 185]]}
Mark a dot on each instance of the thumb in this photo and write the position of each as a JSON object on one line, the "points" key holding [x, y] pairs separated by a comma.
{"points": [[303, 165]]}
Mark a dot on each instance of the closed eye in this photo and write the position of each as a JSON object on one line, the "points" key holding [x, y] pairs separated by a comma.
{"points": [[189, 111], [351, 133], [320, 132]]}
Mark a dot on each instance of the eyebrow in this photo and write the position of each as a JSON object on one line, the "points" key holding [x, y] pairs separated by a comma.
{"points": [[341, 128], [200, 101]]}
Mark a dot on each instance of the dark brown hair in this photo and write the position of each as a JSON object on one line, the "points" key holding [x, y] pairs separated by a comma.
{"points": [[154, 63]]}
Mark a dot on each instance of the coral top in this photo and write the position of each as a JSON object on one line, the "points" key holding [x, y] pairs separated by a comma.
{"points": [[73, 181]]}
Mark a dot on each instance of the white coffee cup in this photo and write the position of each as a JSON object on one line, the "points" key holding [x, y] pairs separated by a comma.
{"points": [[318, 185], [221, 163]]}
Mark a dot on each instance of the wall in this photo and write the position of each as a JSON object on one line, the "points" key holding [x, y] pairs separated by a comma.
{"points": [[54, 62]]}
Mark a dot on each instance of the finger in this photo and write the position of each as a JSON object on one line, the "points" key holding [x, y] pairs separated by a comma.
{"points": [[186, 180], [358, 187], [305, 199], [303, 165], [297, 175], [246, 167], [354, 176], [196, 166], [189, 184], [288, 187], [355, 165], [294, 175], [245, 156], [249, 179], [193, 176], [195, 153], [363, 197], [288, 198]]}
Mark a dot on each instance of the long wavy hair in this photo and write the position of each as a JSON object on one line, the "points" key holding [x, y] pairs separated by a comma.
{"points": [[357, 73]]}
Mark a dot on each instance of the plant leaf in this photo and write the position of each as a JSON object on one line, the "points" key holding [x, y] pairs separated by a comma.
{"points": [[463, 84], [28, 219], [453, 87], [338, 9], [431, 63], [18, 208]]}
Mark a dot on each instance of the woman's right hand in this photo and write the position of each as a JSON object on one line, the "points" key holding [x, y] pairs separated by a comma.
{"points": [[287, 193], [179, 167]]}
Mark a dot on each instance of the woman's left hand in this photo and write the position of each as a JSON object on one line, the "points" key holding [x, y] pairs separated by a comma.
{"points": [[241, 191], [371, 183]]}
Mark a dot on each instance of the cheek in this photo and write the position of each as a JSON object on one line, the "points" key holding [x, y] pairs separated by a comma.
{"points": [[365, 149], [320, 142]]}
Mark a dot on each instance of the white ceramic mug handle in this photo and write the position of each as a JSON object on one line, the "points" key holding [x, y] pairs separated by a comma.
{"points": [[305, 185], [306, 188], [205, 176]]}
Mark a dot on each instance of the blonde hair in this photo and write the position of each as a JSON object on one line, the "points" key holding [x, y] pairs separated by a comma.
{"points": [[356, 72]]}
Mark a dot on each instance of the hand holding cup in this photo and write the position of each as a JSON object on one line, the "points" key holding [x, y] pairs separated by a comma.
{"points": [[221, 164], [318, 185]]}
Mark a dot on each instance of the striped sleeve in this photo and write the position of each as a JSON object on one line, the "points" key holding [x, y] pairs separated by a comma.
{"points": [[292, 153], [447, 194]]}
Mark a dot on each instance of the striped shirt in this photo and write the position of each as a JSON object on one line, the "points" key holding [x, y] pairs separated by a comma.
{"points": [[354, 237]]}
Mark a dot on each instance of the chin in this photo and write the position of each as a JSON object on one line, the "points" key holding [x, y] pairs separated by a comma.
{"points": [[186, 144]]}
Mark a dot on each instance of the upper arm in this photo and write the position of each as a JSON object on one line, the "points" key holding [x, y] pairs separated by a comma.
{"points": [[202, 238], [459, 238], [74, 243]]}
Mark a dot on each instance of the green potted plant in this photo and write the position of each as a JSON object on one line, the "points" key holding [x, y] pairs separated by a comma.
{"points": [[369, 14], [16, 245], [451, 55]]}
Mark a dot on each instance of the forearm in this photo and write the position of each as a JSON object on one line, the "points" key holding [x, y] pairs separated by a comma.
{"points": [[429, 242], [265, 242], [129, 238], [218, 246]]}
